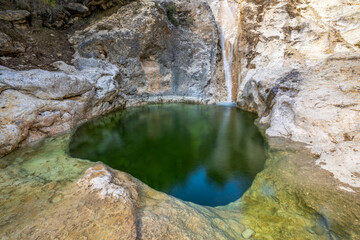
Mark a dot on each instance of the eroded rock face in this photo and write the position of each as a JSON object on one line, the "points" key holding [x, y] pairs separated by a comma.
{"points": [[161, 48], [306, 90], [39, 103], [8, 46]]}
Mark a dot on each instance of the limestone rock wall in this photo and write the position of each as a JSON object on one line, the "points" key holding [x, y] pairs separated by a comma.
{"points": [[300, 73]]}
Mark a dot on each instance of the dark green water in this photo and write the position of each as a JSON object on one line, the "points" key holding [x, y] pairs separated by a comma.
{"points": [[205, 154]]}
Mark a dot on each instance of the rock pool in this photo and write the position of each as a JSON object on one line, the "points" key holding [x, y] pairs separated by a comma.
{"points": [[206, 154]]}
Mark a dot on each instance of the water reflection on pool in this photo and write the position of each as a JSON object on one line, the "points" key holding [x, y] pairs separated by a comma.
{"points": [[205, 154]]}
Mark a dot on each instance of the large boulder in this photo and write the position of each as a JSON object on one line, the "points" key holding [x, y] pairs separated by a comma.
{"points": [[161, 48], [14, 15], [18, 18], [76, 8], [44, 84], [8, 46]]}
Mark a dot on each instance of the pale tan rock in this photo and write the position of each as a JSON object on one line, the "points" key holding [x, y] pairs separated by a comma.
{"points": [[300, 72], [14, 15], [157, 55], [8, 46]]}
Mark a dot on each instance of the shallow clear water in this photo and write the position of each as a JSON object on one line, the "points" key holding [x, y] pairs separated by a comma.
{"points": [[205, 154]]}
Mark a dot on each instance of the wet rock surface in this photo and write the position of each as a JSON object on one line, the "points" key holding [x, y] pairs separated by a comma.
{"points": [[63, 197]]}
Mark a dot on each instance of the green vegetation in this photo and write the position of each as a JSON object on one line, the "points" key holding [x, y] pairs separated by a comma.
{"points": [[189, 20], [51, 2], [157, 5], [137, 7], [171, 12]]}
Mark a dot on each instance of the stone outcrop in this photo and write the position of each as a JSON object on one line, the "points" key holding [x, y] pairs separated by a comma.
{"points": [[17, 18], [14, 15], [161, 48], [39, 103], [8, 46], [76, 8], [308, 89]]}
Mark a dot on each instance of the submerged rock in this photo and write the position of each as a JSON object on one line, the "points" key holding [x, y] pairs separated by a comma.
{"points": [[248, 233]]}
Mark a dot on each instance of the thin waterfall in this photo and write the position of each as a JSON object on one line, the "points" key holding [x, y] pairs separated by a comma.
{"points": [[227, 58], [227, 26]]}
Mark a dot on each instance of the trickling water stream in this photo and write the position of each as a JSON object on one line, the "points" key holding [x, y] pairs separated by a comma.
{"points": [[201, 153], [227, 58], [227, 26]]}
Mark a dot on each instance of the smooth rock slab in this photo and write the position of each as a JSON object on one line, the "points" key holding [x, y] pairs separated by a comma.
{"points": [[248, 233], [44, 84]]}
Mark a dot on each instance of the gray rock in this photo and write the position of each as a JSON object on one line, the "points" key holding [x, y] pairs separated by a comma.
{"points": [[14, 15], [76, 8], [153, 55], [8, 46], [248, 233], [44, 84]]}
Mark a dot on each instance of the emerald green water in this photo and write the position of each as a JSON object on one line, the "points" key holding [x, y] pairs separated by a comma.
{"points": [[205, 154]]}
